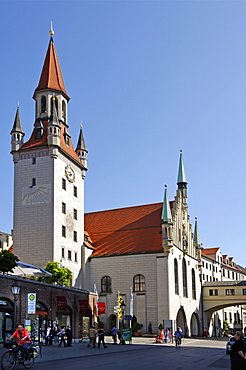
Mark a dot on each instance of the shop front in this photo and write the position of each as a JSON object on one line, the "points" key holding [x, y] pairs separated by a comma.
{"points": [[6, 319], [38, 322]]}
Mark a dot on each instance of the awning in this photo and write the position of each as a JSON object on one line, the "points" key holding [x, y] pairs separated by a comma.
{"points": [[25, 269]]}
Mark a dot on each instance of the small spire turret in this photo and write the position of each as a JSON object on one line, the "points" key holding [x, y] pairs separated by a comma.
{"points": [[81, 148], [182, 180], [166, 216], [17, 132], [197, 239]]}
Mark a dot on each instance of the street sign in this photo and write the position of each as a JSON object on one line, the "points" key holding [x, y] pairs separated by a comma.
{"points": [[128, 317]]}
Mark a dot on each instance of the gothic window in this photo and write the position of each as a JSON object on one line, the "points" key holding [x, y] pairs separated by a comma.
{"points": [[106, 284], [56, 103], [193, 278], [185, 291], [43, 104], [139, 283], [176, 277]]}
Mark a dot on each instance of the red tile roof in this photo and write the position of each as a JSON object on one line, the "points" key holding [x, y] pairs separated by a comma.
{"points": [[36, 143], [51, 76], [128, 230], [210, 251]]}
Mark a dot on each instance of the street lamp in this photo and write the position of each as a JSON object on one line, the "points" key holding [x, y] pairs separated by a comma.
{"points": [[15, 288]]}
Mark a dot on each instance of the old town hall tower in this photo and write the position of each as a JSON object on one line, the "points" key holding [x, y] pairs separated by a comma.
{"points": [[49, 179]]}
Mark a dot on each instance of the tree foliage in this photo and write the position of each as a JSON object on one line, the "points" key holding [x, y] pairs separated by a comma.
{"points": [[60, 275], [8, 261]]}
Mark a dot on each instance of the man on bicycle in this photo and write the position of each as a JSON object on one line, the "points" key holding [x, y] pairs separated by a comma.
{"points": [[178, 336], [24, 340]]}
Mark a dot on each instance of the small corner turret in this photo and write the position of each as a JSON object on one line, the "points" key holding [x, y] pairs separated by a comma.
{"points": [[17, 134], [167, 223], [81, 150], [53, 130]]}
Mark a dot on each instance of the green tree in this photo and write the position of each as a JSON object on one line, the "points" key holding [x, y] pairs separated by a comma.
{"points": [[60, 275], [8, 261]]}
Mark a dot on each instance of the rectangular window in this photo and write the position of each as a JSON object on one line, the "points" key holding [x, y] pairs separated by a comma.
{"points": [[223, 272], [228, 273], [64, 231], [230, 291], [64, 184], [75, 214], [33, 182], [244, 291], [63, 207], [63, 252], [76, 257], [34, 160], [75, 193], [206, 265], [230, 317], [75, 236], [213, 291], [69, 255]]}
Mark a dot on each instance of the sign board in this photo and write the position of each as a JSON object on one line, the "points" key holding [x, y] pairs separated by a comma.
{"points": [[127, 334], [31, 303], [128, 317]]}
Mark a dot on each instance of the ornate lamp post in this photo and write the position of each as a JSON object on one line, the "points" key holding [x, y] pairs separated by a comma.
{"points": [[15, 288]]}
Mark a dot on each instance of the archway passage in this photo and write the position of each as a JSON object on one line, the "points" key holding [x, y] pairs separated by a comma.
{"points": [[194, 325], [182, 322]]}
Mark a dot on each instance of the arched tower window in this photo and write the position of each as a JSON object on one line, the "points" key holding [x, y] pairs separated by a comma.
{"points": [[184, 270], [64, 111], [106, 284], [139, 283], [176, 277], [43, 104], [193, 278], [56, 102]]}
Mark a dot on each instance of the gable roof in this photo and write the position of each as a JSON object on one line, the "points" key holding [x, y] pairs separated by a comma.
{"points": [[128, 230]]}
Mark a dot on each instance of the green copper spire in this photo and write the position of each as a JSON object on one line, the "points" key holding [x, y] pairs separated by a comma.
{"points": [[17, 127], [197, 240], [166, 211], [181, 174]]}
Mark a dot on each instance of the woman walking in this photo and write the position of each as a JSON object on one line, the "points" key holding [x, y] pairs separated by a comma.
{"points": [[238, 359]]}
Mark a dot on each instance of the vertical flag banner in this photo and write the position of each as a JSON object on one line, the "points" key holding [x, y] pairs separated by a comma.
{"points": [[95, 290], [131, 302]]}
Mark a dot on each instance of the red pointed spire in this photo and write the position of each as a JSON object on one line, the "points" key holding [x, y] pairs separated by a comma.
{"points": [[51, 76]]}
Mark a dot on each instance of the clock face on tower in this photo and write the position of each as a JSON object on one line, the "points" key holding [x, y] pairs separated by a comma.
{"points": [[69, 173]]}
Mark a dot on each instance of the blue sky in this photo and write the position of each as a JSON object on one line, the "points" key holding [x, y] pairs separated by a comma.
{"points": [[147, 78]]}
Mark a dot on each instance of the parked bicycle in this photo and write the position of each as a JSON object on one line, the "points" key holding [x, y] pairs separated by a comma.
{"points": [[11, 358]]}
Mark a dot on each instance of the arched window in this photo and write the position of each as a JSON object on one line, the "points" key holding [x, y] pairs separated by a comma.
{"points": [[64, 111], [139, 283], [176, 277], [185, 292], [43, 104], [106, 284], [56, 103], [193, 284]]}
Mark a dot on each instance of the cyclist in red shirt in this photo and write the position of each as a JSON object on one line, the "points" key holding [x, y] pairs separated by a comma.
{"points": [[24, 340]]}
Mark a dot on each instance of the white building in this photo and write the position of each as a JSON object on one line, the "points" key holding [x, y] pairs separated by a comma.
{"points": [[49, 179]]}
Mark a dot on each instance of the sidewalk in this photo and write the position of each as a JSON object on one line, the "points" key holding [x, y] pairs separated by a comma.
{"points": [[81, 350]]}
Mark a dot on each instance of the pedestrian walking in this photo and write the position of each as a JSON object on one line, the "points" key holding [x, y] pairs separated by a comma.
{"points": [[62, 335], [55, 335], [69, 336], [92, 336], [114, 334], [101, 333], [237, 353]]}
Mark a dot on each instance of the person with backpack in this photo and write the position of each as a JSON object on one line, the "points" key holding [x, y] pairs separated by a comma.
{"points": [[178, 336]]}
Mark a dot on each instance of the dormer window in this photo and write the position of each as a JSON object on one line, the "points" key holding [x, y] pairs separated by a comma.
{"points": [[39, 130], [43, 104]]}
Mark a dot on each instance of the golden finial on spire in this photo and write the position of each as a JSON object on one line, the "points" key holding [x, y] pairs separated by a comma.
{"points": [[81, 124], [51, 29], [18, 104]]}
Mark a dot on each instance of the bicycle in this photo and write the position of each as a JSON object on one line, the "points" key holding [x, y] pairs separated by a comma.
{"points": [[178, 342], [11, 358]]}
